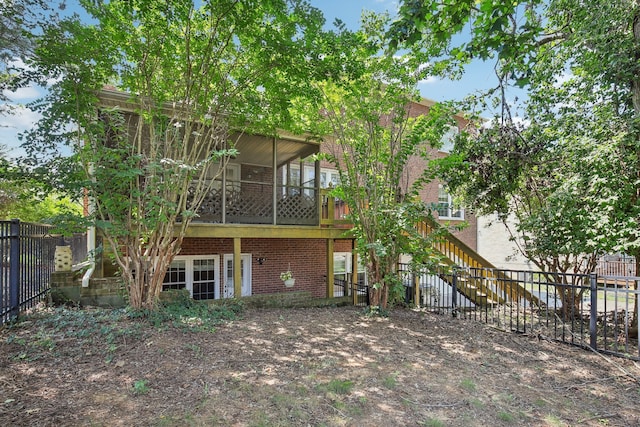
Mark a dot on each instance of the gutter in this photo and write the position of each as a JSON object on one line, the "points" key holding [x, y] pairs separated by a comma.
{"points": [[91, 249]]}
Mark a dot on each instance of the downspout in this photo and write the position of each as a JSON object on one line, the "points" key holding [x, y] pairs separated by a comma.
{"points": [[91, 240], [91, 248]]}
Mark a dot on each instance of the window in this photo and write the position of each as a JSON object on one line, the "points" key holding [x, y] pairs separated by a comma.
{"points": [[176, 276], [329, 177], [294, 182], [448, 139], [232, 176], [446, 207], [198, 274]]}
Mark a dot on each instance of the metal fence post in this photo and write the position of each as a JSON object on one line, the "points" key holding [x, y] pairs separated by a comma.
{"points": [[454, 292], [593, 320], [14, 269], [416, 289]]}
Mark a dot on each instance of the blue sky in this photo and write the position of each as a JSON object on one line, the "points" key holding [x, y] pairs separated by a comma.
{"points": [[478, 76]]}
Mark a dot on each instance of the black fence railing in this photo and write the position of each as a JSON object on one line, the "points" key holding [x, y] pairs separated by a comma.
{"points": [[591, 311], [26, 262], [342, 288]]}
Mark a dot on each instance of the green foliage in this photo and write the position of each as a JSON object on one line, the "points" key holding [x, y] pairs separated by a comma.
{"points": [[20, 21], [432, 422], [377, 141], [185, 313], [338, 386], [140, 387], [24, 197], [566, 170], [468, 385]]}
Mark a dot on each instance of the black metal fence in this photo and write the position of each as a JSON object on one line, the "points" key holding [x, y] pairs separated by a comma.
{"points": [[343, 288], [26, 262], [591, 311]]}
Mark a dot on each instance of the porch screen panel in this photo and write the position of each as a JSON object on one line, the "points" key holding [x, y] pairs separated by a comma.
{"points": [[297, 194]]}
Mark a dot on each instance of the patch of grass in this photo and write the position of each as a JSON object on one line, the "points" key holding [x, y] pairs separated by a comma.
{"points": [[195, 348], [468, 385], [281, 400], [554, 421], [337, 386], [506, 416], [390, 381], [140, 387], [432, 422], [540, 402], [477, 403]]}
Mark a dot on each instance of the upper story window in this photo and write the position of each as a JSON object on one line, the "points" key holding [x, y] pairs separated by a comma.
{"points": [[329, 177], [448, 139], [447, 209]]}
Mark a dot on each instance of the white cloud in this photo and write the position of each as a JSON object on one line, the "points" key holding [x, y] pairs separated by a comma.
{"points": [[28, 93], [21, 119], [429, 80]]}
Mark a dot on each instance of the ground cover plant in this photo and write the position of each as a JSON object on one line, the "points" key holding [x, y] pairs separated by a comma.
{"points": [[288, 367]]}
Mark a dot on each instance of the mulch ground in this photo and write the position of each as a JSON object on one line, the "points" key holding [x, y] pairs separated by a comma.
{"points": [[303, 367]]}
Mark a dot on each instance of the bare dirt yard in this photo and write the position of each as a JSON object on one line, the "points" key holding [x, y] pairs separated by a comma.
{"points": [[302, 367]]}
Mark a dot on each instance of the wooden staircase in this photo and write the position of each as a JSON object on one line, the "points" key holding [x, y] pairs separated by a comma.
{"points": [[477, 279]]}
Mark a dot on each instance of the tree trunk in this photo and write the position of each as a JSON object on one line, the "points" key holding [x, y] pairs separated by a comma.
{"points": [[570, 298], [379, 291]]}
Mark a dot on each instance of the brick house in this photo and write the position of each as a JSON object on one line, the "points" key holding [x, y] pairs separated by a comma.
{"points": [[269, 213]]}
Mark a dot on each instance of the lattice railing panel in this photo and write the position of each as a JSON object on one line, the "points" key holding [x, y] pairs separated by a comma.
{"points": [[300, 207]]}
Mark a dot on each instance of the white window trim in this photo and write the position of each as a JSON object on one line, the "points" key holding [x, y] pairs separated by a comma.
{"points": [[328, 177], [450, 207], [189, 271]]}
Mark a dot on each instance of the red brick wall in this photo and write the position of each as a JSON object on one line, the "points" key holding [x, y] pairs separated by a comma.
{"points": [[415, 166], [305, 257]]}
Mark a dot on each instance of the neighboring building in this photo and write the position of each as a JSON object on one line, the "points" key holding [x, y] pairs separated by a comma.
{"points": [[269, 213], [495, 244]]}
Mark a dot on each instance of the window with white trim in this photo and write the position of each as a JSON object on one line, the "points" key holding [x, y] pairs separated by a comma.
{"points": [[329, 177], [196, 273], [447, 209], [291, 177]]}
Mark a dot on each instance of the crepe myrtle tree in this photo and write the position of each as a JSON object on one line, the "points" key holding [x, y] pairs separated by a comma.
{"points": [[571, 174], [196, 73], [379, 146]]}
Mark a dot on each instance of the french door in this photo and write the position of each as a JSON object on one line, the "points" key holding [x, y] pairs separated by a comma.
{"points": [[245, 275]]}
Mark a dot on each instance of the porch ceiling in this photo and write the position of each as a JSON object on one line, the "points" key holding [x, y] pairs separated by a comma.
{"points": [[257, 149]]}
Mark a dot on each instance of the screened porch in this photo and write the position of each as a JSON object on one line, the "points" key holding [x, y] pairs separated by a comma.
{"points": [[271, 181]]}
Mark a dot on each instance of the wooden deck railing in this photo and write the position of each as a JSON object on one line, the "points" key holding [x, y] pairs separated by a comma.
{"points": [[333, 211], [493, 286]]}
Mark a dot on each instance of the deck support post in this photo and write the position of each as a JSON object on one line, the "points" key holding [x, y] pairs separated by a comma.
{"points": [[237, 269], [330, 279], [354, 273]]}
